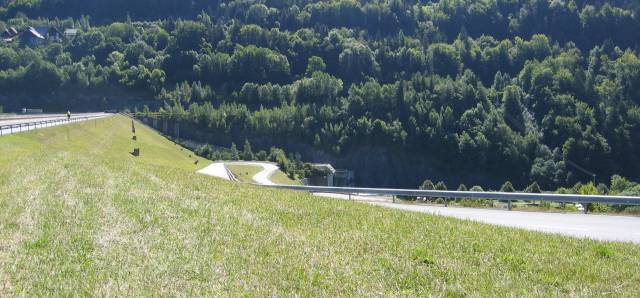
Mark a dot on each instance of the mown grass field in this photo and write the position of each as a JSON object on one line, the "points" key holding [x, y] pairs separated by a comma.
{"points": [[80, 216]]}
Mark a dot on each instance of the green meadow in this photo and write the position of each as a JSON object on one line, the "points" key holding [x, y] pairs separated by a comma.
{"points": [[81, 216]]}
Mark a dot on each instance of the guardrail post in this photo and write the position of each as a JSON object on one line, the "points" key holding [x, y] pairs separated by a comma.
{"points": [[394, 198], [349, 196], [510, 207]]}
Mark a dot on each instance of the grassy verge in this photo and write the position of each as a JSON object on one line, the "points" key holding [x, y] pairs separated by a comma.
{"points": [[79, 215], [244, 173], [281, 178]]}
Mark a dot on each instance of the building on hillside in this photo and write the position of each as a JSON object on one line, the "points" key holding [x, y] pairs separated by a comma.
{"points": [[321, 175], [34, 36], [70, 33], [31, 37], [50, 33], [9, 34]]}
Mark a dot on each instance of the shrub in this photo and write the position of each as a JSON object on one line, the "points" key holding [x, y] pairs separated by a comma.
{"points": [[204, 151], [477, 188], [427, 185], [545, 205], [262, 155], [247, 153], [216, 155], [235, 155], [507, 187], [473, 203], [533, 188], [603, 189], [632, 210], [596, 207]]}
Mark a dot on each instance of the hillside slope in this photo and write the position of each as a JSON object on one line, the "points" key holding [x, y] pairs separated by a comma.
{"points": [[399, 91], [80, 215]]}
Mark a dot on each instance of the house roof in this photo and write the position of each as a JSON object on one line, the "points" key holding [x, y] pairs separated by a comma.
{"points": [[71, 31], [32, 32], [9, 33]]}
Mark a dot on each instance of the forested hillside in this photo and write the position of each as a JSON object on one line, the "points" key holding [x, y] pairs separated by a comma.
{"points": [[477, 91]]}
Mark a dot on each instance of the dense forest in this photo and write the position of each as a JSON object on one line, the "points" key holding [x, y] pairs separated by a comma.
{"points": [[466, 91]]}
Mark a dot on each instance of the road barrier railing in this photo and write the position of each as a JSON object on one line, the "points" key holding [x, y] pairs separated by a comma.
{"points": [[21, 127], [498, 196]]}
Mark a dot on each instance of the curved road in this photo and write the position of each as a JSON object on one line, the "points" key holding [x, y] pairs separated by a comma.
{"points": [[219, 169], [592, 226]]}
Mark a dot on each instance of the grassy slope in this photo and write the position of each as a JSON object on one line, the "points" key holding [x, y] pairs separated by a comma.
{"points": [[280, 177], [244, 173], [79, 215]]}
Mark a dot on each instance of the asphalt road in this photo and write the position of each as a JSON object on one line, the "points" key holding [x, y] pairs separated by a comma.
{"points": [[23, 119], [592, 226]]}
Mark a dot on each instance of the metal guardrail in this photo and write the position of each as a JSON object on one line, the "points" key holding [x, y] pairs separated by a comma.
{"points": [[498, 196], [232, 176], [19, 127]]}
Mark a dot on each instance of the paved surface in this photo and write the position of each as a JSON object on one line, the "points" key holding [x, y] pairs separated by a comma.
{"points": [[598, 227], [219, 170], [216, 169], [23, 119], [263, 177]]}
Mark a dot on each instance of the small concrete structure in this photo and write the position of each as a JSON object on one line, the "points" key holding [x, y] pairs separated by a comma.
{"points": [[343, 178], [322, 175], [31, 37]]}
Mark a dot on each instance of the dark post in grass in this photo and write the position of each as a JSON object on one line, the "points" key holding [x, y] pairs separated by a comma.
{"points": [[136, 151]]}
